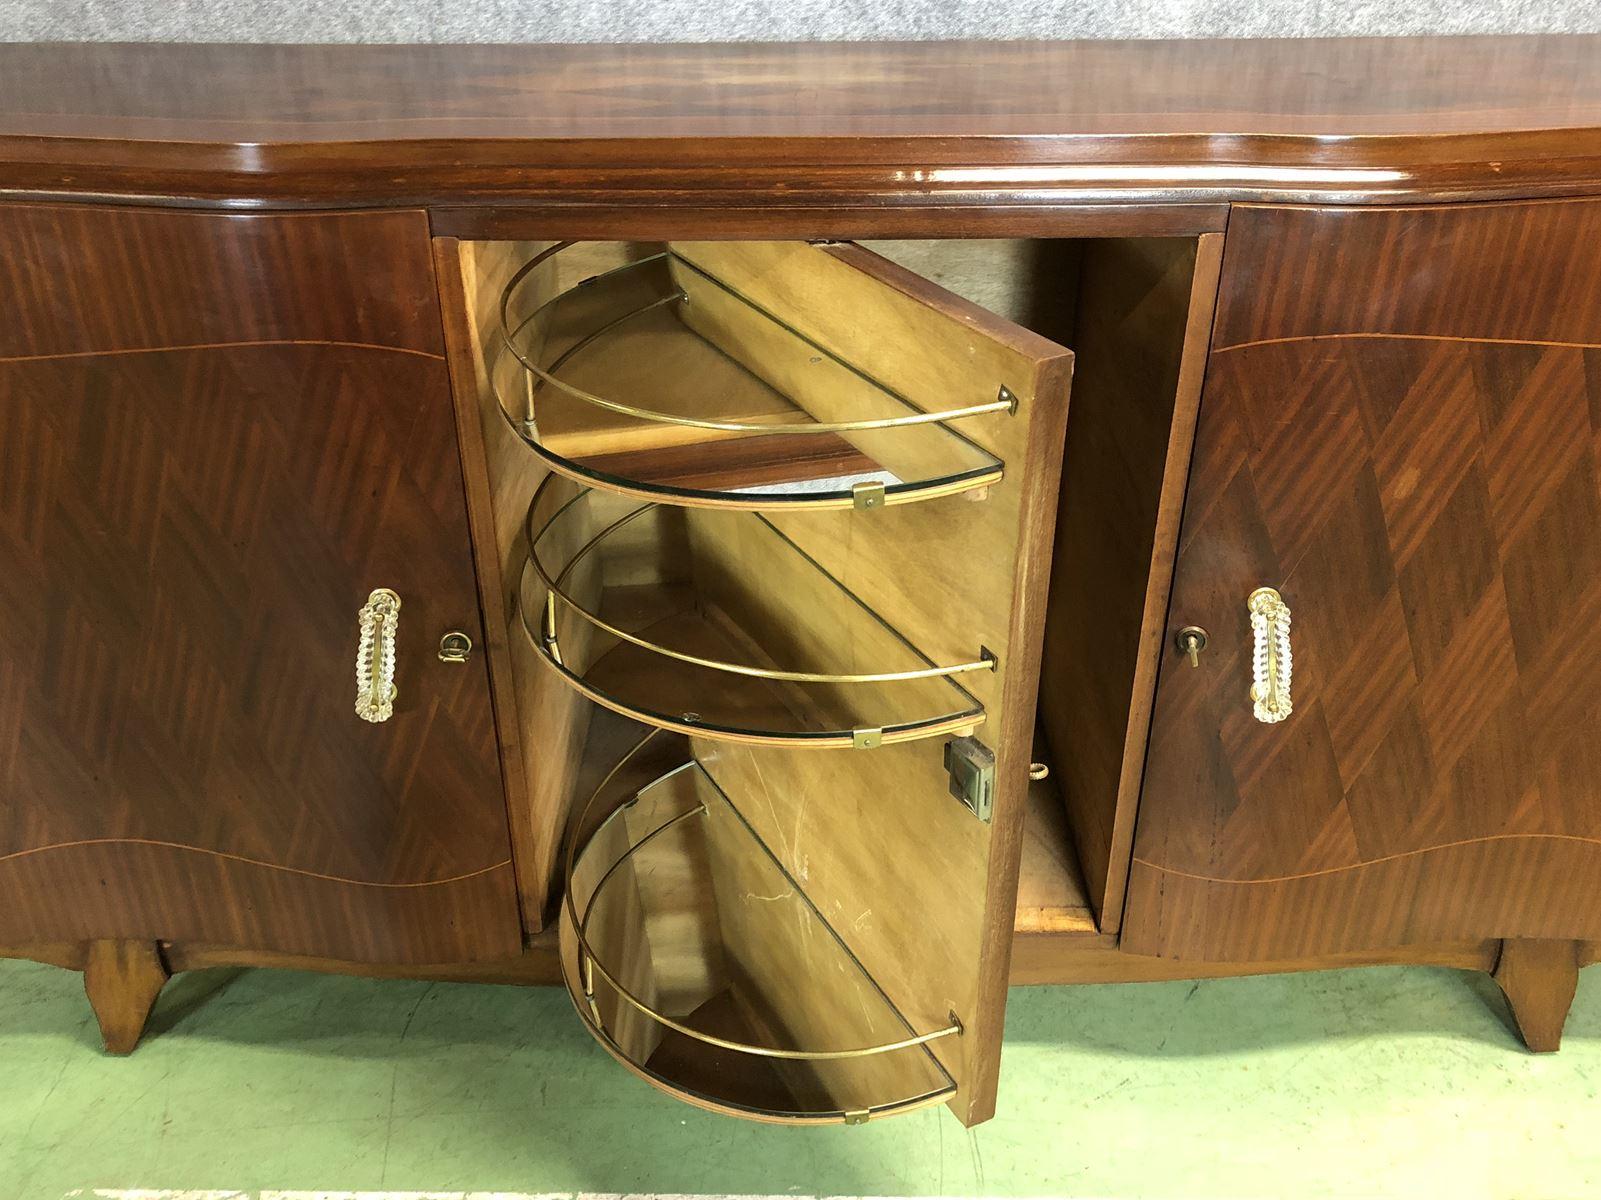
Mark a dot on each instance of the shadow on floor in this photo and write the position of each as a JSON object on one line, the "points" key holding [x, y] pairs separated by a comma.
{"points": [[1204, 1018], [1169, 1019]]}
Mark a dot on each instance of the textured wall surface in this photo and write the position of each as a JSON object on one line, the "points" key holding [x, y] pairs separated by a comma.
{"points": [[768, 20]]}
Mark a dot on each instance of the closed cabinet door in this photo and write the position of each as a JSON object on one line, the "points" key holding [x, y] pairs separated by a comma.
{"points": [[1399, 437], [221, 436]]}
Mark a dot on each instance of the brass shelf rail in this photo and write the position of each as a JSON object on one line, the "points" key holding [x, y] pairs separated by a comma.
{"points": [[723, 417], [688, 602], [686, 797]]}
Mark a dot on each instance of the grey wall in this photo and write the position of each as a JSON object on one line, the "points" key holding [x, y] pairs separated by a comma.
{"points": [[769, 20]]}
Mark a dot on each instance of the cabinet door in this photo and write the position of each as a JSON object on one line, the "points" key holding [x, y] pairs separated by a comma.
{"points": [[1399, 434], [221, 433], [805, 912]]}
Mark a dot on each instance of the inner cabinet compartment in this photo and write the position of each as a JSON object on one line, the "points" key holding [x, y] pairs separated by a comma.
{"points": [[791, 506], [1137, 313], [716, 622], [699, 962], [1141, 327]]}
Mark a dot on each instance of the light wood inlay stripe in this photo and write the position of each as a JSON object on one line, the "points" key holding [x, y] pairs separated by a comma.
{"points": [[1373, 862], [252, 862], [241, 345], [1406, 337]]}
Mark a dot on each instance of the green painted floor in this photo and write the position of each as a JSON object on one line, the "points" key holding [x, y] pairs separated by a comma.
{"points": [[1391, 1081]]}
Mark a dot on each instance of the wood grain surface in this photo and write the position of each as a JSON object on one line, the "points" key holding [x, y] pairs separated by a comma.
{"points": [[792, 125], [1539, 980], [221, 433], [122, 980], [931, 918], [1408, 451], [1141, 334]]}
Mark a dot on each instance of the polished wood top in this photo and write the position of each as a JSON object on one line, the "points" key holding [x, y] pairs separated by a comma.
{"points": [[387, 93], [1032, 121]]}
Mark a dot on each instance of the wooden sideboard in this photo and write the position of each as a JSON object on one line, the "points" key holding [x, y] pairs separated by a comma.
{"points": [[789, 540]]}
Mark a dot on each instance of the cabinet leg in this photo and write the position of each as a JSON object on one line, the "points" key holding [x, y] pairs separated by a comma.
{"points": [[1538, 977], [123, 979]]}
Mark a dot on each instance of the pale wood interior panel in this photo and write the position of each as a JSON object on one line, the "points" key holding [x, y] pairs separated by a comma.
{"points": [[542, 724], [1142, 322], [952, 575], [922, 892], [684, 908], [623, 925], [645, 365], [760, 588], [725, 586], [1051, 897], [825, 388], [794, 982], [1137, 314]]}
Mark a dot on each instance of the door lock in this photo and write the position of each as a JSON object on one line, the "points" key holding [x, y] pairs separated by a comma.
{"points": [[1191, 640], [455, 647], [972, 774]]}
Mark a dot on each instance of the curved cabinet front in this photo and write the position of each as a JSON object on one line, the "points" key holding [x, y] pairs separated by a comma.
{"points": [[1399, 434], [221, 435]]}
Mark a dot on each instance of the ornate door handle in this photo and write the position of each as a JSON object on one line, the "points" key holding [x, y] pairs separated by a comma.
{"points": [[1270, 661], [375, 657]]}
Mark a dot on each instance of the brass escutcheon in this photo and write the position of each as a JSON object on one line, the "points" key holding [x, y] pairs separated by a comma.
{"points": [[455, 647]]}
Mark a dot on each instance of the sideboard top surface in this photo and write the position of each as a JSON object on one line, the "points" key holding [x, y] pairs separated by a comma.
{"points": [[1038, 122]]}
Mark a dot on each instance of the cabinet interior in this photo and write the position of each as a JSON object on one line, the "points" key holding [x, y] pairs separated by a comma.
{"points": [[1136, 312], [650, 570]]}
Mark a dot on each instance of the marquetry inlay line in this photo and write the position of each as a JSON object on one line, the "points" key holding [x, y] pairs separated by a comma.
{"points": [[240, 345], [1373, 862], [1411, 459], [252, 862], [221, 432], [1407, 337]]}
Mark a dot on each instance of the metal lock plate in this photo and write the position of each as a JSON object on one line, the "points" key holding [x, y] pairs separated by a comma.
{"points": [[971, 765], [455, 647]]}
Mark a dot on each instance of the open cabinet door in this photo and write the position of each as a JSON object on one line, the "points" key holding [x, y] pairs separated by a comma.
{"points": [[798, 917]]}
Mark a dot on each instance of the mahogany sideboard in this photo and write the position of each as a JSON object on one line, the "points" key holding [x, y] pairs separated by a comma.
{"points": [[786, 540]]}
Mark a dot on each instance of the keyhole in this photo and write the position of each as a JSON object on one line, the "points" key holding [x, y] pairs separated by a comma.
{"points": [[1191, 640]]}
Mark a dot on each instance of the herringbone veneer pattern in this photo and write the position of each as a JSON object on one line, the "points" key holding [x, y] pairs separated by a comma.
{"points": [[1430, 508], [186, 536]]}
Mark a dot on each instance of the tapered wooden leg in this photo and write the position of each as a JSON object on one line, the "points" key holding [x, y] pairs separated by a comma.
{"points": [[1538, 978], [123, 979]]}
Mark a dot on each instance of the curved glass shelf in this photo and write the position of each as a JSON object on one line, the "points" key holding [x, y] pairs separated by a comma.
{"points": [[655, 379], [700, 964], [716, 624]]}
